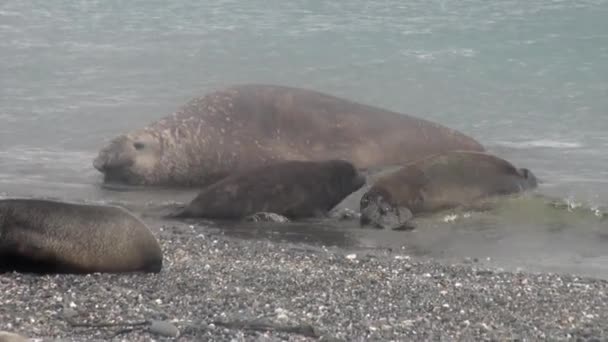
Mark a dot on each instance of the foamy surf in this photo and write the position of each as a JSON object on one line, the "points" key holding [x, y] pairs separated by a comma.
{"points": [[541, 143]]}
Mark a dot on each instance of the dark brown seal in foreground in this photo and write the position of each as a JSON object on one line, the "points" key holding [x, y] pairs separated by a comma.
{"points": [[58, 237], [250, 125], [440, 182], [295, 189]]}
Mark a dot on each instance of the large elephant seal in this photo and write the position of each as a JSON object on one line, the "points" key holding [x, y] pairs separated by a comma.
{"points": [[58, 237], [246, 126], [439, 182], [295, 189]]}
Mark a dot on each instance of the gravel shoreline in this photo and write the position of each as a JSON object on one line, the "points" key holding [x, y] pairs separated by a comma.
{"points": [[217, 288]]}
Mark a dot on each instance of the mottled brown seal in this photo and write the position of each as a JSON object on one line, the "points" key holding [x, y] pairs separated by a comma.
{"points": [[250, 125], [59, 237], [439, 182], [295, 189]]}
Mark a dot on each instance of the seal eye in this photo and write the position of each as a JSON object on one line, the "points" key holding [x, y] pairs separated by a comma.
{"points": [[138, 146]]}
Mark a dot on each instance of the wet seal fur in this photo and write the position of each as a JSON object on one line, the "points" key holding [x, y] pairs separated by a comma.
{"points": [[250, 125], [294, 189], [45, 236], [440, 182]]}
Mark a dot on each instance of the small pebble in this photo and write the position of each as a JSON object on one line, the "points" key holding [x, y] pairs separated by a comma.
{"points": [[164, 328], [69, 313]]}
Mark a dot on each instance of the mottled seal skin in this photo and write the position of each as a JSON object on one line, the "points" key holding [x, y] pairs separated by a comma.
{"points": [[294, 189], [249, 125], [45, 236], [439, 182]]}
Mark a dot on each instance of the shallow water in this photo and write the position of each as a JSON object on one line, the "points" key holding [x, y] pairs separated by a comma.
{"points": [[529, 79]]}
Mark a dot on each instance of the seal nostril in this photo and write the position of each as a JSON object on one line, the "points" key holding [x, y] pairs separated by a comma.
{"points": [[138, 145]]}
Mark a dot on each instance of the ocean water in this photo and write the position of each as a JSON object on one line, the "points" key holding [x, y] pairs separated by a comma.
{"points": [[527, 78]]}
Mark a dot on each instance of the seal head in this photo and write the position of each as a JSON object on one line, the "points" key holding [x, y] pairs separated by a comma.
{"points": [[130, 159], [379, 211]]}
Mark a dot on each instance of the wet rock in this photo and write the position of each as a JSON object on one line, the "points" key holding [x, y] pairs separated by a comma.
{"points": [[266, 217]]}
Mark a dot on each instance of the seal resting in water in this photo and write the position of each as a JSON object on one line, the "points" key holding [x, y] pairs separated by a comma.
{"points": [[246, 126], [439, 182], [45, 236], [294, 189]]}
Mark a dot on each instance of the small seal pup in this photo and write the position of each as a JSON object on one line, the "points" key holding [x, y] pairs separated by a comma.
{"points": [[439, 182], [294, 189], [45, 236], [248, 125]]}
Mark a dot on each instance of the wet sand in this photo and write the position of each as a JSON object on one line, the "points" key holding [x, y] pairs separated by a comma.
{"points": [[217, 286]]}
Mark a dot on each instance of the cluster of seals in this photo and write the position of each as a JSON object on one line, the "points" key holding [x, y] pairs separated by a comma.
{"points": [[249, 125], [439, 182], [294, 189], [45, 236], [257, 151]]}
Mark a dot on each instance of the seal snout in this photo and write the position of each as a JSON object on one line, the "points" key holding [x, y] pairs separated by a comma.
{"points": [[115, 156]]}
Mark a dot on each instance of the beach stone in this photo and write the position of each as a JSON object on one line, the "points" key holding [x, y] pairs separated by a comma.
{"points": [[6, 336], [70, 313], [164, 328]]}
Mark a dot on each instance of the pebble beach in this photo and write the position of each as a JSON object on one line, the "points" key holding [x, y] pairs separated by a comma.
{"points": [[219, 288]]}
